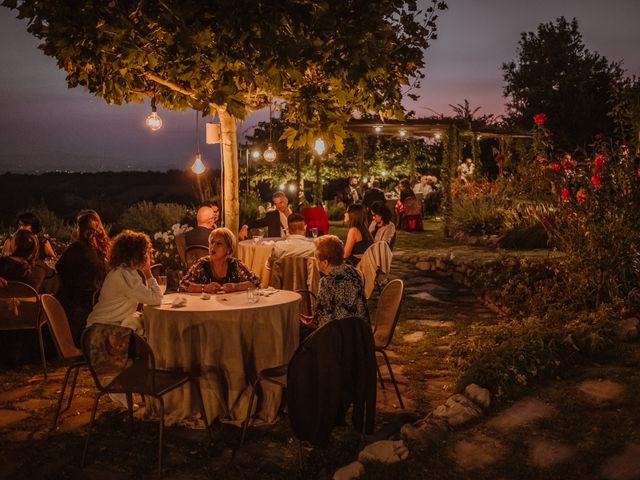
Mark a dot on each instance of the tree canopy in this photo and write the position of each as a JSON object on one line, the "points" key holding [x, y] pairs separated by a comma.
{"points": [[325, 58], [557, 75]]}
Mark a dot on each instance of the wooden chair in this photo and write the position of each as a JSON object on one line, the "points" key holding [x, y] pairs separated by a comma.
{"points": [[157, 269], [194, 253], [70, 355], [122, 362], [384, 325], [21, 309]]}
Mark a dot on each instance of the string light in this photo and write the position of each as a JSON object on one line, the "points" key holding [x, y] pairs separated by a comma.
{"points": [[319, 146], [198, 166], [153, 121]]}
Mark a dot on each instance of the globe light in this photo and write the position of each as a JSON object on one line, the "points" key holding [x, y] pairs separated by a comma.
{"points": [[269, 154], [402, 133], [255, 154], [377, 128], [292, 187], [281, 187], [319, 146], [198, 167], [153, 121]]}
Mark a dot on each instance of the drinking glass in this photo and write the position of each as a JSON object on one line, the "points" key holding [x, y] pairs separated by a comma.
{"points": [[314, 232], [162, 283], [257, 238], [252, 295]]}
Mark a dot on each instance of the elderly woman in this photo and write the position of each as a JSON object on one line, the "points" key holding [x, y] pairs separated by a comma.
{"points": [[341, 291], [358, 237], [218, 270], [81, 269], [381, 227], [123, 288]]}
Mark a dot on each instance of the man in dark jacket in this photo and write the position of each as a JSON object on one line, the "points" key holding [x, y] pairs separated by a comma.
{"points": [[373, 195], [207, 219], [275, 221]]}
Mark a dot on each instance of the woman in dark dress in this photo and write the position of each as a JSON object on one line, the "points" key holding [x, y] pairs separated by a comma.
{"points": [[82, 268], [358, 236], [218, 270]]}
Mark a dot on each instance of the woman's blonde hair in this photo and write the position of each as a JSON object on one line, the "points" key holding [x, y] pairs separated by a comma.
{"points": [[329, 248], [227, 236], [129, 249]]}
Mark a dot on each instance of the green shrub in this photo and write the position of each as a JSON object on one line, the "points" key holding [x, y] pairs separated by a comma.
{"points": [[151, 217], [480, 215], [53, 226], [250, 204], [335, 210]]}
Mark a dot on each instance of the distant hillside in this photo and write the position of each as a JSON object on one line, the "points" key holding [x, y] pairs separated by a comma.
{"points": [[110, 193]]}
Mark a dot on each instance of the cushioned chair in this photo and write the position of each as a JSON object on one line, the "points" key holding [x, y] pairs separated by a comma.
{"points": [[294, 273], [70, 355], [412, 215], [20, 309], [384, 325], [122, 362], [374, 266], [195, 253]]}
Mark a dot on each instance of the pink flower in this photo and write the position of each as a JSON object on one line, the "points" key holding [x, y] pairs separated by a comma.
{"points": [[595, 180], [581, 196], [564, 195], [539, 118], [556, 167]]}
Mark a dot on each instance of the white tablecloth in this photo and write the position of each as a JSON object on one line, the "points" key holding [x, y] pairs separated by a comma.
{"points": [[226, 341], [255, 255]]}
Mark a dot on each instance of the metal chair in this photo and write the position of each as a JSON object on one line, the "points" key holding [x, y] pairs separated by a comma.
{"points": [[122, 362], [70, 355], [194, 253], [384, 325], [21, 309]]}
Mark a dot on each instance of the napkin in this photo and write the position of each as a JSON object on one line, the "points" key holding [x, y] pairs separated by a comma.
{"points": [[268, 242], [179, 302]]}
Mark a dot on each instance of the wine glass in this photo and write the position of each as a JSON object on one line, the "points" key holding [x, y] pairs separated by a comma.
{"points": [[314, 232], [162, 283]]}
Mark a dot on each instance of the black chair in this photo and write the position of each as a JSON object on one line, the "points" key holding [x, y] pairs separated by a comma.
{"points": [[122, 362], [195, 253], [21, 309]]}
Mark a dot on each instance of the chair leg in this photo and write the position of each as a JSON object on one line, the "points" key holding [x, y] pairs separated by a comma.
{"points": [[203, 408], [249, 418], [42, 356], [129, 396], [93, 417], [73, 388], [161, 440], [59, 405], [393, 379], [380, 376]]}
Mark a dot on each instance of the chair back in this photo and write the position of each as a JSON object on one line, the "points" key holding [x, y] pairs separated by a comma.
{"points": [[181, 247], [20, 307], [387, 313], [157, 270], [114, 352], [59, 326], [308, 303], [377, 258], [294, 273], [195, 253], [412, 206]]}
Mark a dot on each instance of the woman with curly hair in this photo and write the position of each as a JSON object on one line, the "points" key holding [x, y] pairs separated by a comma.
{"points": [[81, 269], [123, 288]]}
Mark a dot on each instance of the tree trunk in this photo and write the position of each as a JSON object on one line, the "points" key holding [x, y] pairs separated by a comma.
{"points": [[230, 180]]}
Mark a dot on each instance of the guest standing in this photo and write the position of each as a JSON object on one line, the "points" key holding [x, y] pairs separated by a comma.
{"points": [[82, 268], [123, 288]]}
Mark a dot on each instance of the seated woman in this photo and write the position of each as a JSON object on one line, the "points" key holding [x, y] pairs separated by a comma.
{"points": [[381, 227], [316, 217], [81, 270], [218, 270], [358, 237], [20, 265], [29, 221], [341, 290], [123, 288]]}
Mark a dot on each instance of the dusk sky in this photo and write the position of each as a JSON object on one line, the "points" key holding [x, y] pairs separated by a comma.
{"points": [[46, 126]]}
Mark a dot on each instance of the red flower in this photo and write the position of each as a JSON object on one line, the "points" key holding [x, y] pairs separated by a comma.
{"points": [[539, 118], [598, 163], [499, 158], [595, 180], [565, 195], [567, 165], [556, 167], [581, 196]]}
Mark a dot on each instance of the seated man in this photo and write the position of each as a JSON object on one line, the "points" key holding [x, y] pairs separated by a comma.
{"points": [[296, 244], [275, 220], [207, 219]]}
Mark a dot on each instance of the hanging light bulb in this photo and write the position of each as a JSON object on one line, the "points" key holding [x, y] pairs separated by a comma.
{"points": [[153, 121], [403, 133], [269, 154], [319, 146], [198, 167]]}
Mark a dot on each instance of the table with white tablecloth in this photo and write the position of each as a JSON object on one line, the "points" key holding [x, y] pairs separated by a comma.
{"points": [[224, 341], [255, 255]]}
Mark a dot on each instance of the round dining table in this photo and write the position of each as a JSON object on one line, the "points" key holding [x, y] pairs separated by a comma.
{"points": [[223, 341], [254, 254]]}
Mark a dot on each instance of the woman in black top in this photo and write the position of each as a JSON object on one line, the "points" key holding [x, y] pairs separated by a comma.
{"points": [[358, 236]]}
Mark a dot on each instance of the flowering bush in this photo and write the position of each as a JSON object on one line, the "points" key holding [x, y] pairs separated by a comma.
{"points": [[164, 244]]}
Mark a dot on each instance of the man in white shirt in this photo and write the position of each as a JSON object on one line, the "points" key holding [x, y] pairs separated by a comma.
{"points": [[296, 244], [422, 186]]}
